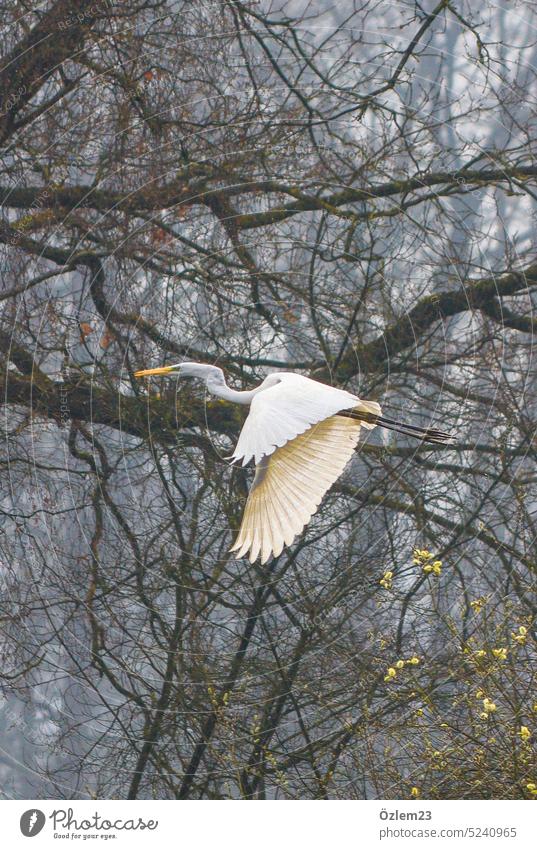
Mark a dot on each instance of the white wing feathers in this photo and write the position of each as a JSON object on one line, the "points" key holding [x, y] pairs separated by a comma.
{"points": [[301, 447], [290, 483], [288, 409]]}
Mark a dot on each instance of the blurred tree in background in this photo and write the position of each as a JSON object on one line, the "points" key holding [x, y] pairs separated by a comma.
{"points": [[345, 190]]}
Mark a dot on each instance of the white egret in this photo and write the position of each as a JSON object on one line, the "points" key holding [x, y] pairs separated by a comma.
{"points": [[301, 434]]}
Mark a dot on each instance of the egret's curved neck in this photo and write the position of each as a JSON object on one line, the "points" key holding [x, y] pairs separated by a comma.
{"points": [[234, 395], [217, 385]]}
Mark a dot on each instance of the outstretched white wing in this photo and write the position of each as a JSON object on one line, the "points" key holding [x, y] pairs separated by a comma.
{"points": [[289, 408], [290, 483]]}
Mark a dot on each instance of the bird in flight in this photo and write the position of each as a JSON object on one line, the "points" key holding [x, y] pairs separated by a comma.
{"points": [[301, 434]]}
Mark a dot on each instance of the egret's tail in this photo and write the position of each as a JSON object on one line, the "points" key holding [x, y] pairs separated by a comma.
{"points": [[426, 434]]}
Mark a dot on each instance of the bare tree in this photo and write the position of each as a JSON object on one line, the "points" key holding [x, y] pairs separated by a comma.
{"points": [[344, 190]]}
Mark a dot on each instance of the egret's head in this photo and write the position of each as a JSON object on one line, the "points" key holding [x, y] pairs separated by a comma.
{"points": [[200, 370]]}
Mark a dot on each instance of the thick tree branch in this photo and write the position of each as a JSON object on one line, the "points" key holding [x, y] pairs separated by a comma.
{"points": [[34, 60]]}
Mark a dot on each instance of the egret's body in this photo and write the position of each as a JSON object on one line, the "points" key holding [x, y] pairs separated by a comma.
{"points": [[301, 434]]}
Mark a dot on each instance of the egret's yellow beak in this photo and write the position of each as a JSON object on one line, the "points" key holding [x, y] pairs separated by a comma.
{"points": [[149, 371]]}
